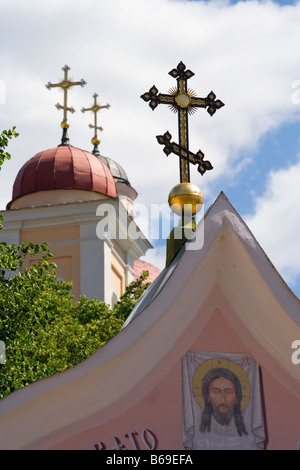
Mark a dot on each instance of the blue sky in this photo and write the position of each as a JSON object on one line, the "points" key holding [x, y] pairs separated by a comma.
{"points": [[247, 52]]}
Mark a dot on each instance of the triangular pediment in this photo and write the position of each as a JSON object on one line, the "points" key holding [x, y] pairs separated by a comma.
{"points": [[230, 274]]}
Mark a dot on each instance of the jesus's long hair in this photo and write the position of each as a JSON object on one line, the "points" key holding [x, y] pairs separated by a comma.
{"points": [[211, 375]]}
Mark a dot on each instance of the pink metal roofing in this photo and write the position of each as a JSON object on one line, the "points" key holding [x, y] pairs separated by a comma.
{"points": [[64, 167], [139, 266]]}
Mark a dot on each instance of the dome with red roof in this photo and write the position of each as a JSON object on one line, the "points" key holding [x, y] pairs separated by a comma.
{"points": [[64, 167]]}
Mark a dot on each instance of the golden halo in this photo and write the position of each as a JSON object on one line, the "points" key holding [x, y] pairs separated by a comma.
{"points": [[215, 363]]}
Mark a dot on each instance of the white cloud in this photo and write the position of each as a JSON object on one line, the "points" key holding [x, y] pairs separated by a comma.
{"points": [[246, 53], [276, 221]]}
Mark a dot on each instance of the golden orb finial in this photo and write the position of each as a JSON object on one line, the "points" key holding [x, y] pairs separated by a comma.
{"points": [[65, 124], [95, 140], [185, 199]]}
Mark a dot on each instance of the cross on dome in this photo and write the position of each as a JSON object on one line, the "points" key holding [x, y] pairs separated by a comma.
{"points": [[65, 84], [185, 199], [95, 109]]}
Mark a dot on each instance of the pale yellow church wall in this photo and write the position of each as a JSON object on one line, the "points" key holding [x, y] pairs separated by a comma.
{"points": [[117, 276], [159, 410], [116, 282], [120, 253], [51, 234], [64, 245], [48, 198]]}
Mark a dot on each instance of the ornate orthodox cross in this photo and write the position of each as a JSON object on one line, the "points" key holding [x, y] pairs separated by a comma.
{"points": [[95, 109], [65, 84], [184, 101]]}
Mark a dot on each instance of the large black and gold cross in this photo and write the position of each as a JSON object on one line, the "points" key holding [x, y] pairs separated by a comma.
{"points": [[65, 84], [95, 109], [184, 101]]}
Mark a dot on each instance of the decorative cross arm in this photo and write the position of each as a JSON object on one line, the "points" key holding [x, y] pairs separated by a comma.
{"points": [[95, 127], [195, 159], [154, 98], [66, 82], [59, 106]]}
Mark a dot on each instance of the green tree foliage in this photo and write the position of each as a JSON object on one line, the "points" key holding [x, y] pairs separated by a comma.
{"points": [[4, 155], [44, 330], [4, 140]]}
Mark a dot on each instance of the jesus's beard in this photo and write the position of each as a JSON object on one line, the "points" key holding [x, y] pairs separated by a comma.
{"points": [[223, 418]]}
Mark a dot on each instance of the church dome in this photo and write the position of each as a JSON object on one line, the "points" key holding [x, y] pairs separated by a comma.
{"points": [[64, 167], [126, 192], [117, 171]]}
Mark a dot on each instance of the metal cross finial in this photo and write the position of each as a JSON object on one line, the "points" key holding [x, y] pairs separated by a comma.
{"points": [[184, 101], [65, 84], [95, 108]]}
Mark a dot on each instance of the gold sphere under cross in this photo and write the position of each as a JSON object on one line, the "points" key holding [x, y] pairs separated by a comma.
{"points": [[185, 199]]}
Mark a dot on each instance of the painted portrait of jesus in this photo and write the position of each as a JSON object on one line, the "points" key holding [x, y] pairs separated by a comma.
{"points": [[222, 394], [222, 402]]}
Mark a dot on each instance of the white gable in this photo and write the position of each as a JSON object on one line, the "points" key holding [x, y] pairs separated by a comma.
{"points": [[230, 268]]}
